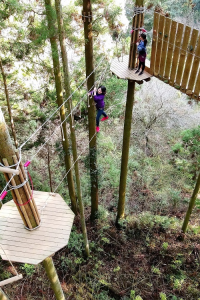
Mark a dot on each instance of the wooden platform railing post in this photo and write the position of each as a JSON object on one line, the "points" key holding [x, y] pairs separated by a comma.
{"points": [[28, 212]]}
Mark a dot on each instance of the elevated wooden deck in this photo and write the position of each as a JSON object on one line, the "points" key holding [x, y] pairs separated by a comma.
{"points": [[20, 245], [120, 68]]}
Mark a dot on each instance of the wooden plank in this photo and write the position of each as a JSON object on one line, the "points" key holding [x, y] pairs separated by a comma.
{"points": [[189, 60], [165, 46], [176, 52], [23, 242], [161, 27], [154, 41], [197, 88], [31, 235], [48, 226], [11, 280], [16, 236], [45, 220], [182, 59], [39, 232], [21, 260], [195, 67], [170, 49], [132, 45], [17, 242], [28, 251]]}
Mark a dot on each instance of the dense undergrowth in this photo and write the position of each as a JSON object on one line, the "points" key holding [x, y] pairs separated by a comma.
{"points": [[146, 258]]}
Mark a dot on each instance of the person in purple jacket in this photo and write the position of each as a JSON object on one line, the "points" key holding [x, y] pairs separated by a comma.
{"points": [[99, 95]]}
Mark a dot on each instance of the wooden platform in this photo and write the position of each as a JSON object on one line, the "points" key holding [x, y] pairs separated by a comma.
{"points": [[32, 247], [120, 68]]}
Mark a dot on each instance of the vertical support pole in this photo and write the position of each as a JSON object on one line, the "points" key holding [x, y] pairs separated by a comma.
{"points": [[125, 149], [53, 278], [127, 124]]}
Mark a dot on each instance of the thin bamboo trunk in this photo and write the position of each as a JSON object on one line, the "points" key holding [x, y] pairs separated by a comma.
{"points": [[53, 277], [191, 204], [73, 135], [8, 104], [3, 296], [91, 109], [57, 73]]}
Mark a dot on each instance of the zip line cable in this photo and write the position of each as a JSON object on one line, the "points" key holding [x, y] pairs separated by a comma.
{"points": [[62, 104]]}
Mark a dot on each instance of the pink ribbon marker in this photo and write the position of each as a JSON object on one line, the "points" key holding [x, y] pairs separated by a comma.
{"points": [[3, 195], [27, 163]]}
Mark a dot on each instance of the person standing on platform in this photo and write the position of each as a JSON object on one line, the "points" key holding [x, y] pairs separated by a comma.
{"points": [[141, 47]]}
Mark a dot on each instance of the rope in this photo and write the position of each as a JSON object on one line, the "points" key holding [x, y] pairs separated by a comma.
{"points": [[67, 117], [61, 104], [41, 211], [9, 261]]}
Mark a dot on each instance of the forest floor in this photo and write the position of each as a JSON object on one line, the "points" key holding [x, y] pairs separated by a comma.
{"points": [[146, 257]]}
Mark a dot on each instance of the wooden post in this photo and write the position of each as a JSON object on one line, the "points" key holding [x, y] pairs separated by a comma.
{"points": [[91, 109], [28, 212], [127, 125], [3, 296], [7, 154], [191, 204]]}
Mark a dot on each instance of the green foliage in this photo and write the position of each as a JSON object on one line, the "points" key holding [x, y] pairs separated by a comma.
{"points": [[75, 243], [29, 269], [133, 296], [163, 296], [187, 153]]}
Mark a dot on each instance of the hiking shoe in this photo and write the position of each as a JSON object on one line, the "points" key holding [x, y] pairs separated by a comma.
{"points": [[137, 71], [97, 129], [140, 73], [104, 118]]}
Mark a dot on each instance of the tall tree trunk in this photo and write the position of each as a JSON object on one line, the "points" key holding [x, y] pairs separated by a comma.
{"points": [[56, 66], [91, 109], [137, 21], [73, 135], [8, 104], [191, 204], [6, 150]]}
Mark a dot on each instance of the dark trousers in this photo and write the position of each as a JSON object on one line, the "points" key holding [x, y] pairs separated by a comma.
{"points": [[141, 64], [100, 112]]}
